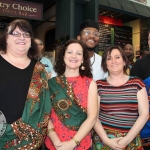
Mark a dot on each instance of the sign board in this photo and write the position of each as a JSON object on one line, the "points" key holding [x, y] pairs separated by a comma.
{"points": [[21, 9], [110, 20]]}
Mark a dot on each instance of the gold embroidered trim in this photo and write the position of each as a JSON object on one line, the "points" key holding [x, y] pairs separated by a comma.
{"points": [[64, 104], [71, 94]]}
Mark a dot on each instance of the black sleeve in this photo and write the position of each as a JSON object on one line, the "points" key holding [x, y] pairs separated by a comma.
{"points": [[136, 70]]}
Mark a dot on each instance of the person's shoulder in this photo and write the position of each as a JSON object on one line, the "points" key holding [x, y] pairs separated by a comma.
{"points": [[85, 78], [138, 63], [147, 56], [46, 59], [144, 59], [39, 66], [142, 62], [135, 78], [101, 81]]}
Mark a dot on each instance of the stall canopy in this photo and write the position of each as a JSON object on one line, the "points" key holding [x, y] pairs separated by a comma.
{"points": [[136, 8]]}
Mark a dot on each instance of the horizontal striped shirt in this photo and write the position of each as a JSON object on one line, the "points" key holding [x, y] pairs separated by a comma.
{"points": [[119, 105]]}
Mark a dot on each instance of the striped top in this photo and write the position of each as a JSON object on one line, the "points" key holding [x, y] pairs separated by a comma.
{"points": [[119, 105]]}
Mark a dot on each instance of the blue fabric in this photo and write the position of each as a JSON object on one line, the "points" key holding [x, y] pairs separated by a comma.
{"points": [[145, 132], [47, 63]]}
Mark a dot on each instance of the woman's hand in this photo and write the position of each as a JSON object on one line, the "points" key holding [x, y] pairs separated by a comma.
{"points": [[123, 142], [68, 145], [114, 143]]}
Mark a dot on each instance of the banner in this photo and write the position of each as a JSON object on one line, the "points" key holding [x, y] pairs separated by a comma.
{"points": [[110, 20]]}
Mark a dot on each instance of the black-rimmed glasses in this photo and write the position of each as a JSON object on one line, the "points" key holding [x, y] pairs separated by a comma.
{"points": [[17, 34]]}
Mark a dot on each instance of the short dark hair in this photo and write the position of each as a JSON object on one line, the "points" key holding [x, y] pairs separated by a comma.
{"points": [[108, 51], [23, 25], [60, 66]]}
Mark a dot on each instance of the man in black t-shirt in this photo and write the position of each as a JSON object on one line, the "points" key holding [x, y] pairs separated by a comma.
{"points": [[141, 68]]}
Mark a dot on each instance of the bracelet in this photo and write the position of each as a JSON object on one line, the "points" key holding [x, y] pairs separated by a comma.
{"points": [[77, 142], [50, 130]]}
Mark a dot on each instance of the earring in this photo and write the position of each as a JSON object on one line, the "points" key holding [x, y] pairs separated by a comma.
{"points": [[82, 67]]}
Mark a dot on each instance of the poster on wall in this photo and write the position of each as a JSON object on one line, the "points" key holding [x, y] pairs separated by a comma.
{"points": [[114, 35]]}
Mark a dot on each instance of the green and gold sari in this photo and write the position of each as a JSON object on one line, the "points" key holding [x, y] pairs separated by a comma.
{"points": [[29, 131], [65, 103]]}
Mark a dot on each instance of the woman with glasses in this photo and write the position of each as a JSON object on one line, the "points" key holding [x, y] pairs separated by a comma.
{"points": [[124, 107], [24, 95]]}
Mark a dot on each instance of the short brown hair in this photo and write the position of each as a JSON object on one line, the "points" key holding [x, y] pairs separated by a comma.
{"points": [[108, 51], [60, 66]]}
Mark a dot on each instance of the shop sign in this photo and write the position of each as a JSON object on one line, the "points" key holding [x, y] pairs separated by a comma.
{"points": [[110, 20], [21, 9]]}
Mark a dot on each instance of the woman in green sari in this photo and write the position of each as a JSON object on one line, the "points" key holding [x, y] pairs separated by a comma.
{"points": [[73, 95], [24, 94]]}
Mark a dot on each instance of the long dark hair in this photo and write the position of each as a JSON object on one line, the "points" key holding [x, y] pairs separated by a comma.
{"points": [[23, 26], [60, 66]]}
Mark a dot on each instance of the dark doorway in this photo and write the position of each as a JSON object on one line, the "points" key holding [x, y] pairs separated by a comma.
{"points": [[50, 40]]}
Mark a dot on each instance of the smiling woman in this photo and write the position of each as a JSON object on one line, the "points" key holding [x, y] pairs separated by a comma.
{"points": [[123, 105], [73, 57], [23, 89], [18, 43], [73, 94]]}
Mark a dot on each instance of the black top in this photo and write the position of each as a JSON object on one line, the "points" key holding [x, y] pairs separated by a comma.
{"points": [[141, 68], [14, 85]]}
